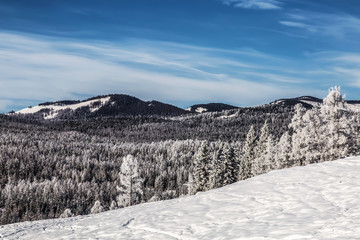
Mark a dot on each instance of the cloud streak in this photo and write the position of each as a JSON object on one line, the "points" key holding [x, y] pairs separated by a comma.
{"points": [[255, 4], [48, 69], [339, 25]]}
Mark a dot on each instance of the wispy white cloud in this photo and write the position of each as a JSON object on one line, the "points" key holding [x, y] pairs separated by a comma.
{"points": [[255, 4], [48, 69], [339, 25], [339, 68], [299, 25]]}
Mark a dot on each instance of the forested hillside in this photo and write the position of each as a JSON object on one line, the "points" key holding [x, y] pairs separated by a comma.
{"points": [[64, 167]]}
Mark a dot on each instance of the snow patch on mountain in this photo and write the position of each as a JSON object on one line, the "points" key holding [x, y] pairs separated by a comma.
{"points": [[200, 110], [93, 105], [314, 104], [318, 201]]}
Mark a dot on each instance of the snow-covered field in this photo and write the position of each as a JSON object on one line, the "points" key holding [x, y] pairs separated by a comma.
{"points": [[320, 201]]}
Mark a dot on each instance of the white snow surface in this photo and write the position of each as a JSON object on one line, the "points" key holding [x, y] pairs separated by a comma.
{"points": [[319, 201], [314, 104], [200, 110], [229, 116], [56, 108]]}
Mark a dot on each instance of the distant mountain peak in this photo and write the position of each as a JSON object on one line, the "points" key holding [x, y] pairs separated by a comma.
{"points": [[101, 106], [210, 107]]}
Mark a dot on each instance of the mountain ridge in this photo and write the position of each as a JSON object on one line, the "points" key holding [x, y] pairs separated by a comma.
{"points": [[126, 105]]}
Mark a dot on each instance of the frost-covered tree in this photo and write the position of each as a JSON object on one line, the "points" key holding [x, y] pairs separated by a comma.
{"points": [[190, 184], [113, 205], [67, 213], [216, 178], [230, 165], [248, 155], [262, 143], [298, 137], [97, 208], [131, 184], [314, 138], [201, 168], [269, 156], [258, 165], [337, 125], [322, 133], [283, 153]]}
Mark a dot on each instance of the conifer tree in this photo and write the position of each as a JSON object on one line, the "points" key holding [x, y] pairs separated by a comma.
{"points": [[337, 125], [201, 168], [248, 155], [258, 165], [298, 137], [282, 157], [131, 183], [216, 178], [313, 137], [262, 143], [269, 156], [113, 205], [97, 208], [67, 213], [230, 165]]}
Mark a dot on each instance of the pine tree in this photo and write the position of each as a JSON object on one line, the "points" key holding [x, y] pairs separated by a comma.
{"points": [[230, 165], [67, 213], [131, 183], [113, 205], [190, 184], [201, 168], [216, 178], [313, 137], [248, 155], [337, 125], [298, 137], [262, 143], [269, 156], [283, 153], [257, 167], [97, 208]]}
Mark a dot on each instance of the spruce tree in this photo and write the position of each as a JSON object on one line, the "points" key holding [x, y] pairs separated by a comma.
{"points": [[333, 111], [230, 165], [97, 208], [269, 156], [284, 148], [201, 168], [257, 167], [131, 183], [298, 137], [216, 178], [262, 143], [248, 155]]}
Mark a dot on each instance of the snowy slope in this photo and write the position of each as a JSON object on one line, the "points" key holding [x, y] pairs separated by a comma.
{"points": [[320, 201], [101, 106], [56, 108]]}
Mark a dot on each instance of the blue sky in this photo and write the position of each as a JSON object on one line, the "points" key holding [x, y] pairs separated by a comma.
{"points": [[183, 52]]}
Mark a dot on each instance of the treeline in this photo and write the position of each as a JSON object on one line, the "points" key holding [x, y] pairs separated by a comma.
{"points": [[229, 125], [43, 173], [323, 133]]}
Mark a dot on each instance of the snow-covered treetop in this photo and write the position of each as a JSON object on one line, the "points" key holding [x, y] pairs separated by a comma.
{"points": [[334, 98]]}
